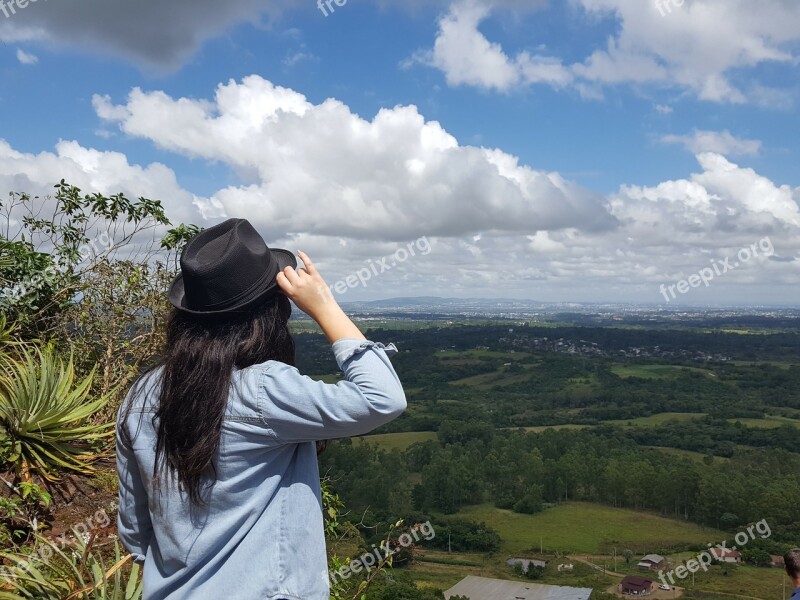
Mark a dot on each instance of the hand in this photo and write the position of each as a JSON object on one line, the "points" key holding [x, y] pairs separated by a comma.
{"points": [[306, 288]]}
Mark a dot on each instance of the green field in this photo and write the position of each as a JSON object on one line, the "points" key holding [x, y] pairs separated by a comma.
{"points": [[397, 441], [768, 422], [656, 371], [486, 381], [583, 527], [541, 428], [745, 580], [774, 363], [657, 419], [458, 354], [693, 456]]}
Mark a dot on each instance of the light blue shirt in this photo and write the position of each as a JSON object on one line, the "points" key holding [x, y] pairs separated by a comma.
{"points": [[261, 536]]}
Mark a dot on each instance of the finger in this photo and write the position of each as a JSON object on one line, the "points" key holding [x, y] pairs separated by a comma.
{"points": [[309, 265], [291, 275], [283, 282]]}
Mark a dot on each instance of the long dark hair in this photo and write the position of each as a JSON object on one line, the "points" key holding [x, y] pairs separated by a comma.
{"points": [[198, 363]]}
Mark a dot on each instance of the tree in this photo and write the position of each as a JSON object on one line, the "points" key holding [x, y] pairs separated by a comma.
{"points": [[88, 273], [756, 557], [628, 555]]}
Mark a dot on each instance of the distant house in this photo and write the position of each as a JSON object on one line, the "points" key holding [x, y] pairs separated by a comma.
{"points": [[526, 563], [565, 567], [485, 588], [727, 556], [777, 562], [651, 562], [634, 585]]}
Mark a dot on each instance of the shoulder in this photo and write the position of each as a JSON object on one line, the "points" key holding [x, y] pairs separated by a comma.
{"points": [[142, 395]]}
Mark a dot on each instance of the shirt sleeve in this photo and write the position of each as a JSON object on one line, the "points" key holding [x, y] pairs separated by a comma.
{"points": [[133, 519], [298, 409]]}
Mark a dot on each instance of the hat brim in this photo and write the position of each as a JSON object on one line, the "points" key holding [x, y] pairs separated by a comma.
{"points": [[177, 293]]}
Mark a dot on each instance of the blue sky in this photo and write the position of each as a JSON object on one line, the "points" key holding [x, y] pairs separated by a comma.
{"points": [[567, 151]]}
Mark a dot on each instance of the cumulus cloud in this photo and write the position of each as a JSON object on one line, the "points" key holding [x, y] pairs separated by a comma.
{"points": [[92, 171], [697, 46], [721, 142], [319, 178], [466, 57], [322, 169]]}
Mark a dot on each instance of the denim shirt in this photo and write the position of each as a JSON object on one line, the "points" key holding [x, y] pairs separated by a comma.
{"points": [[261, 535]]}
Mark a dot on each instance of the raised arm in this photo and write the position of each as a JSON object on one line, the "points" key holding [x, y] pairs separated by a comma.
{"points": [[308, 290]]}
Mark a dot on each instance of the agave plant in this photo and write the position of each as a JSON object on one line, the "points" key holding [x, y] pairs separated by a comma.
{"points": [[72, 573], [46, 414]]}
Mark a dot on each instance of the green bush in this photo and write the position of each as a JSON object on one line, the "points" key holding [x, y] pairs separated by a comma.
{"points": [[46, 415], [71, 573]]}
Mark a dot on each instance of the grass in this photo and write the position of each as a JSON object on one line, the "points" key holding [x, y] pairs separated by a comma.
{"points": [[105, 480], [486, 381], [767, 422], [657, 419], [693, 456], [752, 363], [744, 580], [458, 354], [397, 441], [583, 527], [656, 371], [541, 428]]}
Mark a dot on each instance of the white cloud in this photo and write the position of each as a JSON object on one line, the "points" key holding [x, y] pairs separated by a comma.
{"points": [[697, 47], [92, 171], [663, 109], [466, 57], [721, 142], [295, 57], [322, 169], [150, 32], [346, 190], [162, 35], [25, 58]]}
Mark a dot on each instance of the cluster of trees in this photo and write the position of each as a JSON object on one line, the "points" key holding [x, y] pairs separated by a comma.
{"points": [[546, 387], [717, 436], [524, 471]]}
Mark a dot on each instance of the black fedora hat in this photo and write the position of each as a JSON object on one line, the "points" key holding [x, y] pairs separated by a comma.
{"points": [[227, 268]]}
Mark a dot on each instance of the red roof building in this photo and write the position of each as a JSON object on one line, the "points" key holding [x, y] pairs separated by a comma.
{"points": [[634, 585]]}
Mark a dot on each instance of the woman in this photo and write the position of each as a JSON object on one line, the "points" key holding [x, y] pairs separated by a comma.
{"points": [[219, 485]]}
